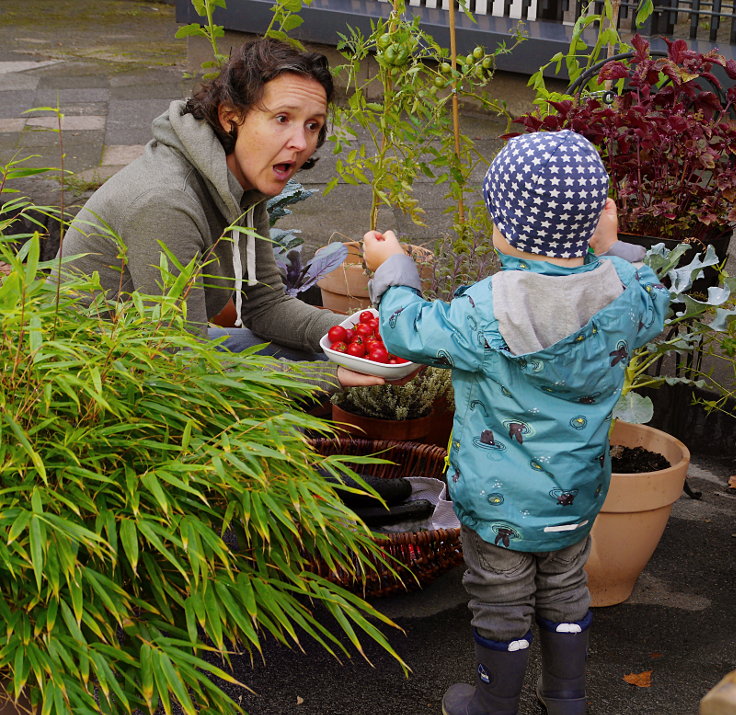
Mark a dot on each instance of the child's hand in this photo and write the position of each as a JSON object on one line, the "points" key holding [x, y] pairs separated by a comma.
{"points": [[377, 247], [606, 233]]}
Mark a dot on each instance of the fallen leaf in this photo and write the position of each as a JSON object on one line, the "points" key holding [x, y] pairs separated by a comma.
{"points": [[732, 481], [299, 700], [655, 655], [641, 680]]}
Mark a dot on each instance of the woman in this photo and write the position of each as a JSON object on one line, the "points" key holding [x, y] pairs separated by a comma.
{"points": [[200, 189]]}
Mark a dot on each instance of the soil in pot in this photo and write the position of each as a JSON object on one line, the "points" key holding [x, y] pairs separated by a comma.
{"points": [[632, 460]]}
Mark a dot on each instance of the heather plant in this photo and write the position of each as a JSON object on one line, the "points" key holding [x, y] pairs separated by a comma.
{"points": [[415, 398], [667, 139], [160, 505]]}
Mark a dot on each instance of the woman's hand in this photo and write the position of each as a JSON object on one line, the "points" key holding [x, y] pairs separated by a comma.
{"points": [[349, 378], [606, 233], [377, 247]]}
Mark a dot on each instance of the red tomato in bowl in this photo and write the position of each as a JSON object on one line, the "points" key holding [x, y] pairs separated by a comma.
{"points": [[337, 334], [355, 349], [363, 329], [366, 316], [339, 347], [378, 354]]}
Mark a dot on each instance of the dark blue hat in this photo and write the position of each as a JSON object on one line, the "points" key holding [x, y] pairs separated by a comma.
{"points": [[545, 192]]}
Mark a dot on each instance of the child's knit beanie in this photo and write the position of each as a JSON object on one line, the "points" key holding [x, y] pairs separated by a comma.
{"points": [[545, 192]]}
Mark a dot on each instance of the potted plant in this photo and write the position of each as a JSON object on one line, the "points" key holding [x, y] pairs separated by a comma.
{"points": [[664, 127], [147, 508], [415, 411], [638, 504]]}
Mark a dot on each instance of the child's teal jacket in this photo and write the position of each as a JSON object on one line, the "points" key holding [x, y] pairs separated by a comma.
{"points": [[529, 466]]}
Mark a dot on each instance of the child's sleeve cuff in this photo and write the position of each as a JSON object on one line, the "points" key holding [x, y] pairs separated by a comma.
{"points": [[399, 270], [628, 251]]}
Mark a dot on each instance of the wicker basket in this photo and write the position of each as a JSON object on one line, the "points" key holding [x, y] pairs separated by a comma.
{"points": [[421, 555]]}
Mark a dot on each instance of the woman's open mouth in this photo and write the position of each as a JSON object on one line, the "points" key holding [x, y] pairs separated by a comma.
{"points": [[283, 170]]}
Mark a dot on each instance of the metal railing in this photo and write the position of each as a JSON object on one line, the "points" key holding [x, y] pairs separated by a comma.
{"points": [[709, 20]]}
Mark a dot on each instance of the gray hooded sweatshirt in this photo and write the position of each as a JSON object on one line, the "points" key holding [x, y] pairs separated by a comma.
{"points": [[180, 193]]}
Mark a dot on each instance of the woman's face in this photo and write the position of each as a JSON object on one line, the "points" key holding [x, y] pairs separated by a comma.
{"points": [[279, 135]]}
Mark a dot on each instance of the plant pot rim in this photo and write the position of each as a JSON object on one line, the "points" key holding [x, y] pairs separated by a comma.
{"points": [[380, 419], [645, 491]]}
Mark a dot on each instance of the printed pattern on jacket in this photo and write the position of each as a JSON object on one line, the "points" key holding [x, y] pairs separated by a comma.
{"points": [[529, 463]]}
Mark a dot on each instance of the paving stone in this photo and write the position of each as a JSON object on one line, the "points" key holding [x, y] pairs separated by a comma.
{"points": [[98, 175], [68, 123], [22, 66], [18, 80], [11, 125], [121, 154], [74, 80], [65, 96], [129, 121], [15, 102]]}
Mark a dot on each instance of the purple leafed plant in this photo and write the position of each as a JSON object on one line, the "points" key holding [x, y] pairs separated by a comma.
{"points": [[668, 140], [300, 276]]}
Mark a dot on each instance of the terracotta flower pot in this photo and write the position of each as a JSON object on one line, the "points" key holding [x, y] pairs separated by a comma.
{"points": [[634, 514], [414, 430], [345, 290]]}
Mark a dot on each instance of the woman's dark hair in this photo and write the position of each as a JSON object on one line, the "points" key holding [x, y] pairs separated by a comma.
{"points": [[241, 83]]}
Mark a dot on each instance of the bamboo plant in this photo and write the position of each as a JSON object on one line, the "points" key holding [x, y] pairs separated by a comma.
{"points": [[159, 501]]}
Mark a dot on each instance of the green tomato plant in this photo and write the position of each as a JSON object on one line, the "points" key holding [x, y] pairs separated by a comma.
{"points": [[404, 108]]}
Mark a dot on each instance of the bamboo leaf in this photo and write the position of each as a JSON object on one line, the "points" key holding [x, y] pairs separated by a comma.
{"points": [[129, 539]]}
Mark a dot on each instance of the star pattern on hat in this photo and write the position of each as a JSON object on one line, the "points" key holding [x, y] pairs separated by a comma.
{"points": [[545, 192]]}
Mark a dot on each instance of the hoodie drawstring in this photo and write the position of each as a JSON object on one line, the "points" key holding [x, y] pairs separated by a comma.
{"points": [[250, 264]]}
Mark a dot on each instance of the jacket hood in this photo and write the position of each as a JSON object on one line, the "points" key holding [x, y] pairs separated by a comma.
{"points": [[199, 145], [196, 141]]}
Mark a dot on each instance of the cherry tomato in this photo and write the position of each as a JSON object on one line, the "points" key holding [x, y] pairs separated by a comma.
{"points": [[349, 334], [366, 316], [336, 334], [355, 349], [378, 355], [374, 324], [363, 329], [340, 346], [358, 339]]}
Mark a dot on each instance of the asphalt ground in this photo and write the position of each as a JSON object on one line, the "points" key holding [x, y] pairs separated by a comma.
{"points": [[111, 66]]}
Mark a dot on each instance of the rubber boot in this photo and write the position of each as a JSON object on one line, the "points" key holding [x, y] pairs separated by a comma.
{"points": [[561, 689], [500, 675]]}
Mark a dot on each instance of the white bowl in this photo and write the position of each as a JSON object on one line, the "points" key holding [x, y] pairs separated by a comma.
{"points": [[359, 364]]}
